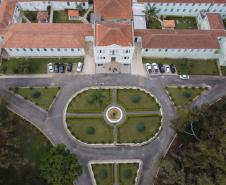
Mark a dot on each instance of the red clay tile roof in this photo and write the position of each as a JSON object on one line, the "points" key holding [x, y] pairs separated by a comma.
{"points": [[73, 13], [113, 9], [47, 35], [182, 1], [215, 21], [114, 33], [190, 39]]}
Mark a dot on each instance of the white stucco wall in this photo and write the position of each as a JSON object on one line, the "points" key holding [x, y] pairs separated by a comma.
{"points": [[47, 52], [181, 53], [104, 54], [222, 42], [188, 9], [57, 5]]}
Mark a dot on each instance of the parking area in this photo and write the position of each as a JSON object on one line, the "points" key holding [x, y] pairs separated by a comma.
{"points": [[70, 68], [160, 69]]}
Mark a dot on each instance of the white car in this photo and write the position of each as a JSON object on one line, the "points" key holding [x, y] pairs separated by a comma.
{"points": [[155, 67], [79, 67], [184, 77], [148, 67], [50, 68]]}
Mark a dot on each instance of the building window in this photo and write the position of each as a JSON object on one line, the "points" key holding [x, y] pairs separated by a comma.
{"points": [[72, 49], [68, 3], [79, 49], [99, 51], [10, 49], [17, 49], [31, 49], [38, 49], [51, 49], [127, 51], [24, 49], [45, 49], [58, 49], [125, 58], [65, 49], [146, 50]]}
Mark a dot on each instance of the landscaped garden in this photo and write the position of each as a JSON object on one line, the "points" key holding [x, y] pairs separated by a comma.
{"points": [[107, 116], [41, 96], [103, 174], [127, 173], [188, 66], [32, 65], [184, 22], [184, 96], [31, 16], [62, 17], [223, 70]]}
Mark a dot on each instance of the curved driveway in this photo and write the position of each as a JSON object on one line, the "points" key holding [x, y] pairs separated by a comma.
{"points": [[51, 123]]}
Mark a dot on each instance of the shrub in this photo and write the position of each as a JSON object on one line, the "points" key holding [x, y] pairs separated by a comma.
{"points": [[127, 173], [135, 99], [103, 174], [16, 89], [90, 130], [140, 127], [187, 94], [36, 94], [4, 69]]}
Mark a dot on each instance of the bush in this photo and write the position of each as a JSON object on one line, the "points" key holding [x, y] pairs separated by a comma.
{"points": [[140, 127], [127, 173], [103, 174], [135, 99], [36, 94], [4, 69], [90, 130], [187, 94], [16, 89]]}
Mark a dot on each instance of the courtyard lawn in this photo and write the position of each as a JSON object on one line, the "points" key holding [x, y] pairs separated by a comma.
{"points": [[127, 173], [184, 22], [103, 173], [183, 96], [92, 130], [154, 25], [138, 129], [136, 100], [85, 101], [42, 97], [34, 65], [189, 66], [223, 70], [31, 16], [62, 17]]}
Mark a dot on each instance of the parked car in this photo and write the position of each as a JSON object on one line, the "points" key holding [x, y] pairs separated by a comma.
{"points": [[61, 68], [50, 68], [56, 68], [155, 67], [184, 77], [167, 67], [161, 68], [79, 67], [172, 68], [148, 67], [69, 67]]}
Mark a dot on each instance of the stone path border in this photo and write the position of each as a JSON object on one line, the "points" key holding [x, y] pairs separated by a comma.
{"points": [[118, 161]]}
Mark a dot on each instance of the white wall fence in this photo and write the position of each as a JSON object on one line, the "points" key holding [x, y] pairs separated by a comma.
{"points": [[44, 52]]}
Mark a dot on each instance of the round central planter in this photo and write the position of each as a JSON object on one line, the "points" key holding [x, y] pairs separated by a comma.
{"points": [[114, 114]]}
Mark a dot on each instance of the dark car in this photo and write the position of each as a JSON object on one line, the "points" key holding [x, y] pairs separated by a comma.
{"points": [[161, 68], [56, 68], [69, 67], [172, 68], [61, 68]]}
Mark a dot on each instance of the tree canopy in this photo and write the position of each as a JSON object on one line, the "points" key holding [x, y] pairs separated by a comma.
{"points": [[199, 157]]}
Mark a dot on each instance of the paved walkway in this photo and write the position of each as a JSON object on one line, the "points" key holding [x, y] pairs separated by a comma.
{"points": [[51, 123]]}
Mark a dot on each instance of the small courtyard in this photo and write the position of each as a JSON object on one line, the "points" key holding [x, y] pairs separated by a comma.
{"points": [[113, 116]]}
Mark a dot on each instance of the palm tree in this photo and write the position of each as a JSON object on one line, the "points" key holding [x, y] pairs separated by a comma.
{"points": [[151, 14], [96, 98]]}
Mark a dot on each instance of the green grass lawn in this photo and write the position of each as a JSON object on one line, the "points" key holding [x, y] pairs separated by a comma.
{"points": [[183, 96], [103, 173], [62, 17], [127, 173], [136, 100], [184, 22], [45, 98], [138, 129], [189, 66], [31, 15], [223, 70], [82, 102], [91, 130], [36, 65], [154, 25]]}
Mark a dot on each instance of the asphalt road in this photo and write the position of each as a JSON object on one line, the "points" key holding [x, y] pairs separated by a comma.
{"points": [[51, 123]]}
